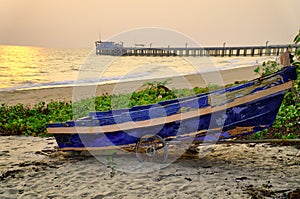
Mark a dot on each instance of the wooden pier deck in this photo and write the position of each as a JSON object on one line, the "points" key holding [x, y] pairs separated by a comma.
{"points": [[271, 50]]}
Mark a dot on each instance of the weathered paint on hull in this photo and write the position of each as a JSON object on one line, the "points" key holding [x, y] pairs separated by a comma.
{"points": [[179, 130]]}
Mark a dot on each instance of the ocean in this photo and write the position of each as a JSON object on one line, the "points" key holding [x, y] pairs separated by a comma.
{"points": [[25, 67]]}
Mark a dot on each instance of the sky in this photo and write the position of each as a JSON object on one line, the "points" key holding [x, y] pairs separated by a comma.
{"points": [[77, 23]]}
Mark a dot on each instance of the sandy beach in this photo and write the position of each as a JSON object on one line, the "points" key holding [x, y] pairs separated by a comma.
{"points": [[32, 168]]}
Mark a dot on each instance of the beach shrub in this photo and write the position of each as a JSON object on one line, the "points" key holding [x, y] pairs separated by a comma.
{"points": [[31, 120], [153, 93], [288, 117], [287, 123], [268, 68]]}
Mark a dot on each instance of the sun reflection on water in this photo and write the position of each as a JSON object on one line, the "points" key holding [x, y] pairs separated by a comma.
{"points": [[24, 67], [19, 64]]}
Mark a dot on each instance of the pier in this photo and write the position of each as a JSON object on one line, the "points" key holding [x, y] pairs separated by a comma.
{"points": [[119, 50]]}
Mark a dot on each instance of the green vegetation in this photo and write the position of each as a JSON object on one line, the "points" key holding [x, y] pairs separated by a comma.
{"points": [[32, 120], [268, 68], [111, 164], [287, 123]]}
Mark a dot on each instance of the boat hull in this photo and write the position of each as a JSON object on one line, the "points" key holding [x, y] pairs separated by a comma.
{"points": [[222, 114]]}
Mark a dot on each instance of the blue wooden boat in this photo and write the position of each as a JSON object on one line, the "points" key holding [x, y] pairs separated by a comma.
{"points": [[217, 115]]}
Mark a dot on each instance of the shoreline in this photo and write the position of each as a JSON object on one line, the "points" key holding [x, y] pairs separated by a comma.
{"points": [[67, 93]]}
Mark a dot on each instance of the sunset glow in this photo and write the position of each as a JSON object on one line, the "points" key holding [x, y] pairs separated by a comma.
{"points": [[211, 23]]}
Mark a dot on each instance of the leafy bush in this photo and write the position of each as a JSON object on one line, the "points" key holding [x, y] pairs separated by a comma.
{"points": [[32, 120], [287, 123], [268, 68]]}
